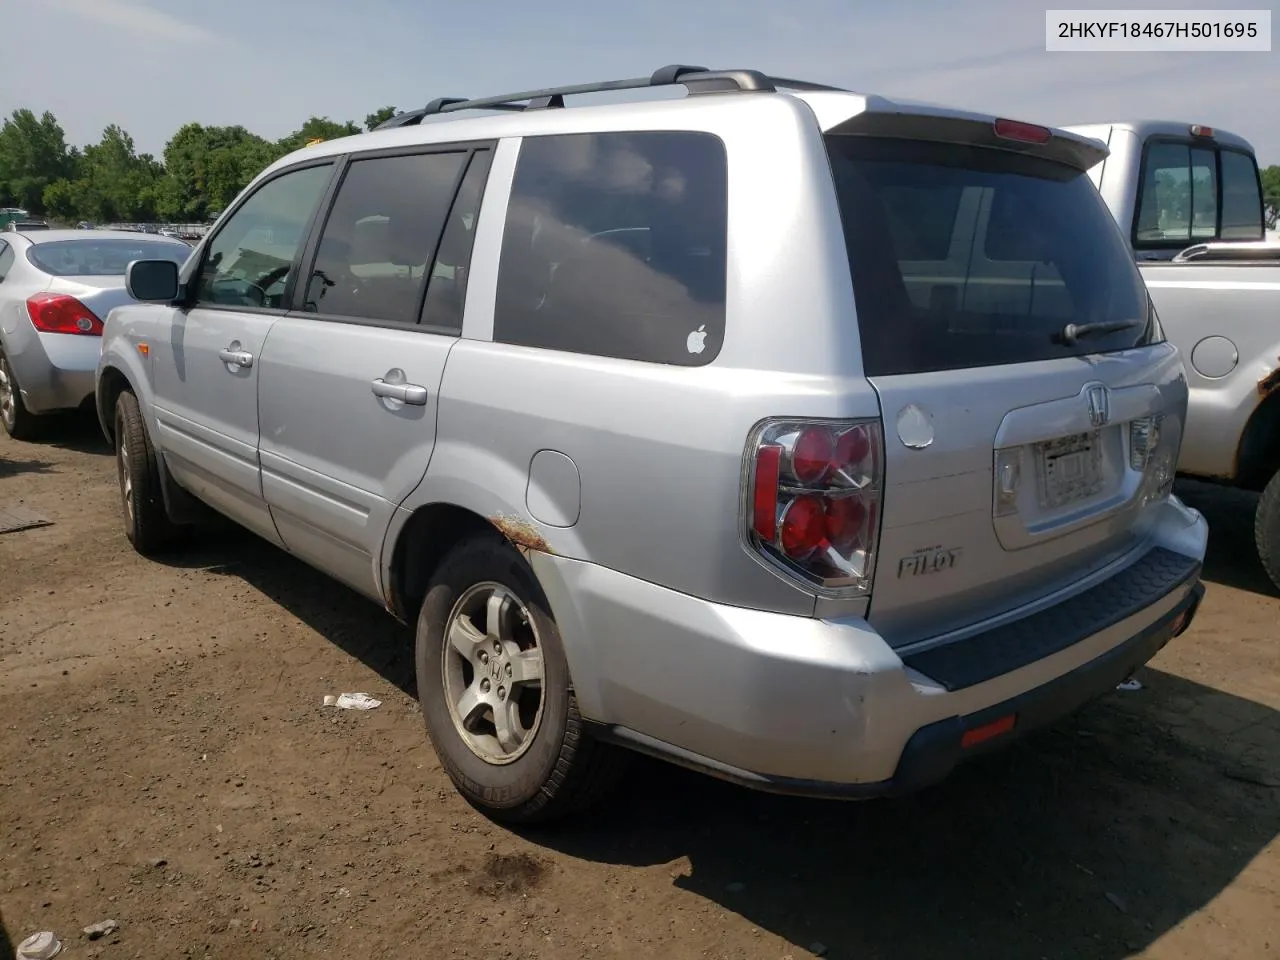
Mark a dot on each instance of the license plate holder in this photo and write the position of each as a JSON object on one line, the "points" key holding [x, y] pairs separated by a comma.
{"points": [[1069, 469]]}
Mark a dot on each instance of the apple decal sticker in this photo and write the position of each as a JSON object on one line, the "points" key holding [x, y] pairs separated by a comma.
{"points": [[697, 341]]}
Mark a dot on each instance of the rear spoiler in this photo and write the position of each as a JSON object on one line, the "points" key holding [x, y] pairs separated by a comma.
{"points": [[887, 118]]}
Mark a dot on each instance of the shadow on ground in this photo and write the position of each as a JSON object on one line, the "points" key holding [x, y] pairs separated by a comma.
{"points": [[6, 943], [1232, 557], [9, 467], [1091, 839]]}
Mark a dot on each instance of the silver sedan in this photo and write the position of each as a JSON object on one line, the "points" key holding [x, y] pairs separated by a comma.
{"points": [[56, 288]]}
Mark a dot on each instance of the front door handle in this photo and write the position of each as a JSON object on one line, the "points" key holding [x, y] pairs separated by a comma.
{"points": [[404, 392], [235, 356]]}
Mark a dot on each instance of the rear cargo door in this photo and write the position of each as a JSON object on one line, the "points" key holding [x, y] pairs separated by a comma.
{"points": [[1009, 468]]}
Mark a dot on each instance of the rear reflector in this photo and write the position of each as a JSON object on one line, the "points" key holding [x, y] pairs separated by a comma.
{"points": [[60, 313], [765, 500], [1023, 132], [1199, 131], [988, 731]]}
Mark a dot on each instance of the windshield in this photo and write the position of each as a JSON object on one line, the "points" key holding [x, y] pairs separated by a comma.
{"points": [[101, 258], [968, 257]]}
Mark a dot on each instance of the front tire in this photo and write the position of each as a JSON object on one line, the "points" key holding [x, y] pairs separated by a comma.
{"points": [[146, 523], [1266, 529], [19, 422], [496, 693]]}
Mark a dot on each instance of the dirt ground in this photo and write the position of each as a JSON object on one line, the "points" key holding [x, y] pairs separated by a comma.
{"points": [[165, 762]]}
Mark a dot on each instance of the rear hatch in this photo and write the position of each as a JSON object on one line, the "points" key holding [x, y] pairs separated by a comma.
{"points": [[1028, 401]]}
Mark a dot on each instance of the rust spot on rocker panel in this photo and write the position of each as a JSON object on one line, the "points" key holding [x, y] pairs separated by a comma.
{"points": [[521, 533], [1269, 384]]}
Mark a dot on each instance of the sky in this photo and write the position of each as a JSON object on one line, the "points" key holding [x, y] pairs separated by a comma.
{"points": [[152, 65]]}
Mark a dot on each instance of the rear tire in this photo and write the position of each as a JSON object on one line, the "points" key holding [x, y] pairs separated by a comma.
{"points": [[484, 625], [1266, 529], [19, 422], [146, 523]]}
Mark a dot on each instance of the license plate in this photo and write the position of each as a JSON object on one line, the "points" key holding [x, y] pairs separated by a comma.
{"points": [[1070, 469]]}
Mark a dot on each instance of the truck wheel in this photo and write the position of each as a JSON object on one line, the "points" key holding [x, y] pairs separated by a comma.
{"points": [[1266, 529], [19, 422], [145, 522], [496, 694]]}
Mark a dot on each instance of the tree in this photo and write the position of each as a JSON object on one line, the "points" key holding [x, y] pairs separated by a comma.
{"points": [[110, 181], [33, 154], [381, 115], [1271, 195], [316, 128], [206, 167]]}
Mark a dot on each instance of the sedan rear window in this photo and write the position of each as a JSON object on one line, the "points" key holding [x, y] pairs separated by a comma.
{"points": [[100, 258], [970, 257]]}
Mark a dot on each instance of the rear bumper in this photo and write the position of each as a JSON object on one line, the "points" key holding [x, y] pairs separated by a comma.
{"points": [[55, 371], [827, 708]]}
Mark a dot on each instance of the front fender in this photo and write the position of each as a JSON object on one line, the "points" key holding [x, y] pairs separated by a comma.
{"points": [[126, 338]]}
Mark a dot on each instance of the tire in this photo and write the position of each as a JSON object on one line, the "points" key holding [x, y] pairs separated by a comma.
{"points": [[145, 522], [19, 422], [556, 769], [1266, 529]]}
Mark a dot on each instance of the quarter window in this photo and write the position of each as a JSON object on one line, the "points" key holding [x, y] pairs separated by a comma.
{"points": [[6, 259], [380, 237], [615, 246], [249, 261]]}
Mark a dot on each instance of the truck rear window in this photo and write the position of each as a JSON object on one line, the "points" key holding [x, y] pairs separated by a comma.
{"points": [[971, 257]]}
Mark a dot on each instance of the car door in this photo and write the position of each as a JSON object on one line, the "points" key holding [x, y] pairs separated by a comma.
{"points": [[206, 351], [347, 395]]}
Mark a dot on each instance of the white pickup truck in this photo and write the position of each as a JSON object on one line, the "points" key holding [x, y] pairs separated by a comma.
{"points": [[1189, 199]]}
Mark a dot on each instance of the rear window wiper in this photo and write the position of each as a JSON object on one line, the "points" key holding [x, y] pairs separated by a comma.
{"points": [[1074, 332]]}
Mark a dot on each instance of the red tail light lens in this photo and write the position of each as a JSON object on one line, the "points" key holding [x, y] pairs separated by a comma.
{"points": [[1024, 132], [61, 313], [814, 492]]}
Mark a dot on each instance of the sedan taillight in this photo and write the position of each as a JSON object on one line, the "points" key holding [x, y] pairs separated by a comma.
{"points": [[62, 313]]}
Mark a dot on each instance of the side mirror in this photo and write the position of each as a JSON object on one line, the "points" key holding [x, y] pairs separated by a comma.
{"points": [[152, 281]]}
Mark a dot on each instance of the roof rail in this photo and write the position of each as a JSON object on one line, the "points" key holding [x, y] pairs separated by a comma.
{"points": [[697, 80]]}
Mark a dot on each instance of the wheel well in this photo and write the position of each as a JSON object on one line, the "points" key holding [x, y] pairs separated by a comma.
{"points": [[111, 384], [431, 532], [1258, 458]]}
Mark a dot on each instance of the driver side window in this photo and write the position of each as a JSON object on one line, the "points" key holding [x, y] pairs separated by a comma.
{"points": [[248, 262]]}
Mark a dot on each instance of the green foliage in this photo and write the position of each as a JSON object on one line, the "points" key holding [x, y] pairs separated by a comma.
{"points": [[1271, 195], [381, 115], [33, 154], [203, 168]]}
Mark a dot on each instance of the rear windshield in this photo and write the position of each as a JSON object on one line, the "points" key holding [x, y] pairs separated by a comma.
{"points": [[970, 257], [101, 258]]}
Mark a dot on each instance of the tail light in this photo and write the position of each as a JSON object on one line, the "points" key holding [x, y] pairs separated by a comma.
{"points": [[1153, 453], [812, 500], [61, 313]]}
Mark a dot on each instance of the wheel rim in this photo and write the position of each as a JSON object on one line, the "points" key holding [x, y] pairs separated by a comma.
{"points": [[493, 673], [126, 476], [6, 393]]}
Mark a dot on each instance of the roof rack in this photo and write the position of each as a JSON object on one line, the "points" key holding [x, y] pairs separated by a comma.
{"points": [[697, 80]]}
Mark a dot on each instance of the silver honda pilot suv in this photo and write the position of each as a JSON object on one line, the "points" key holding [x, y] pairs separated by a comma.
{"points": [[814, 440]]}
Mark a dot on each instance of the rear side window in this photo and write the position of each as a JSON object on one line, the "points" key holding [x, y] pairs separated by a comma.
{"points": [[969, 257], [6, 259], [615, 246], [379, 238], [1192, 193]]}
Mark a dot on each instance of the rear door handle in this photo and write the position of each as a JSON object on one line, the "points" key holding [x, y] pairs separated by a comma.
{"points": [[404, 392], [235, 357]]}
